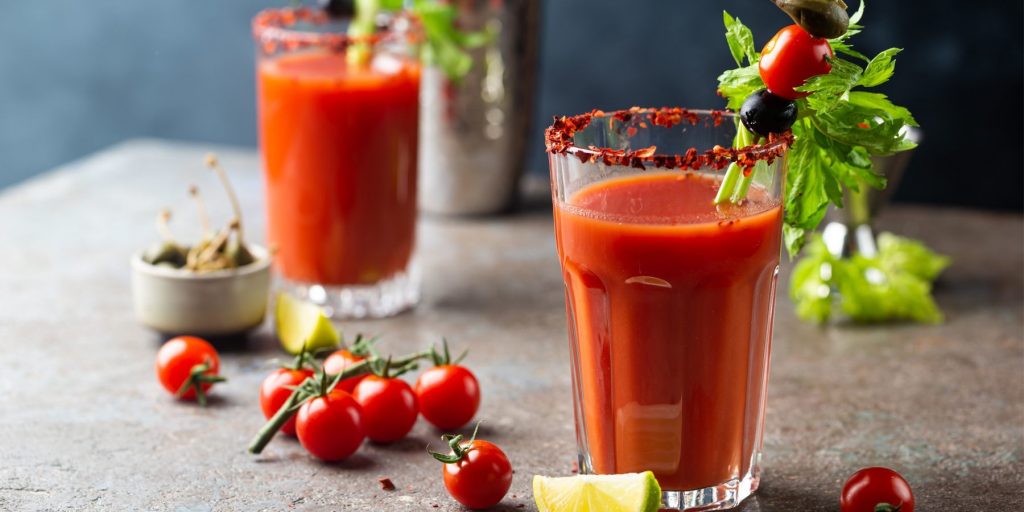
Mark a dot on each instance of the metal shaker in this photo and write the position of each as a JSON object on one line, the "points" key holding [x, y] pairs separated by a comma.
{"points": [[850, 229], [473, 133]]}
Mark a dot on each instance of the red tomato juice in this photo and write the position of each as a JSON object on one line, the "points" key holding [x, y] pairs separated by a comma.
{"points": [[671, 300], [339, 149]]}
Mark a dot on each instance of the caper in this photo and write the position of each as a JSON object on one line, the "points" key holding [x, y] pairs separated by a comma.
{"points": [[165, 252], [238, 253], [820, 18]]}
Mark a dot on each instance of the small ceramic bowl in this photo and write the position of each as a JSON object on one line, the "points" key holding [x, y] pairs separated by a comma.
{"points": [[223, 302]]}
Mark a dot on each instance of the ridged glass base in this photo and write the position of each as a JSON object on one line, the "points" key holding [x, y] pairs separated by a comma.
{"points": [[717, 497], [379, 300]]}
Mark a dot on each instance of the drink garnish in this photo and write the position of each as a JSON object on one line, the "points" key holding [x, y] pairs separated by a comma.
{"points": [[445, 45], [820, 18], [631, 492], [559, 139], [838, 128]]}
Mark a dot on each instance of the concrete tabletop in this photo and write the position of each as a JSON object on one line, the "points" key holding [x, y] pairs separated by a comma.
{"points": [[85, 426]]}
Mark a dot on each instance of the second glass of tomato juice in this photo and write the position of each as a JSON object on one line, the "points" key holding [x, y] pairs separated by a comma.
{"points": [[669, 295], [338, 127]]}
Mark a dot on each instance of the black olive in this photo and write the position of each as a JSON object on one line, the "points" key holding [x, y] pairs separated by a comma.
{"points": [[764, 113], [338, 8]]}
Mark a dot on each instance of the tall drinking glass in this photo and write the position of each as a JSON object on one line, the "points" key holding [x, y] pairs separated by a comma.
{"points": [[669, 296], [338, 127]]}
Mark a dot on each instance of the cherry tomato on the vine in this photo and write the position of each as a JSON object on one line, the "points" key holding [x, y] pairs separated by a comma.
{"points": [[389, 407], [330, 427], [274, 392], [790, 58], [870, 487], [449, 396], [477, 473], [186, 365], [360, 349], [337, 362]]}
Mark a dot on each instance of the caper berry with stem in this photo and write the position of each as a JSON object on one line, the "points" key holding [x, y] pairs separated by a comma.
{"points": [[166, 250], [165, 253], [235, 250], [820, 18], [238, 253], [763, 113], [204, 217]]}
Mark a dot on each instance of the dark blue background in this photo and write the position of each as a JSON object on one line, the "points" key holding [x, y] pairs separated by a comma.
{"points": [[76, 76]]}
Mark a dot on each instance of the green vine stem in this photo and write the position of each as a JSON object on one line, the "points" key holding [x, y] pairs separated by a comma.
{"points": [[456, 445], [290, 406], [198, 376]]}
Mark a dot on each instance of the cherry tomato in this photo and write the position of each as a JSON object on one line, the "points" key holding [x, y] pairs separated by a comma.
{"points": [[338, 362], [274, 393], [176, 359], [449, 396], [389, 407], [790, 58], [481, 478], [872, 486], [330, 427]]}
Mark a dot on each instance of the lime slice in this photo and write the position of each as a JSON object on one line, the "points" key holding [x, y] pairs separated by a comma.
{"points": [[632, 492], [301, 322]]}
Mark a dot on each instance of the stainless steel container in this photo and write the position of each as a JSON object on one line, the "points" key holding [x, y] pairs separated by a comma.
{"points": [[473, 133]]}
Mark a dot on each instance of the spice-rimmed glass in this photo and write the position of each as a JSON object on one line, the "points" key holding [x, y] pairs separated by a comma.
{"points": [[669, 297], [338, 128]]}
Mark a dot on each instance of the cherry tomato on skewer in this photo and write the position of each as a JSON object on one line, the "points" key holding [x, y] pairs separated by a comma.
{"points": [[790, 58]]}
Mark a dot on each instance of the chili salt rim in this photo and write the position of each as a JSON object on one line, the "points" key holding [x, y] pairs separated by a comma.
{"points": [[559, 141], [273, 30]]}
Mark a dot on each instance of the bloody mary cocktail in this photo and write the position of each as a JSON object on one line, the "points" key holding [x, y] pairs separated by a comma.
{"points": [[338, 139], [670, 300]]}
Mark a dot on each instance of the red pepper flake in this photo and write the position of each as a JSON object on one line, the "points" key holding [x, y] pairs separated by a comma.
{"points": [[386, 483], [559, 138], [863, 125], [716, 117]]}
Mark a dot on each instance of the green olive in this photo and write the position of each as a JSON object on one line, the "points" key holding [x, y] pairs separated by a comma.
{"points": [[820, 18], [165, 252]]}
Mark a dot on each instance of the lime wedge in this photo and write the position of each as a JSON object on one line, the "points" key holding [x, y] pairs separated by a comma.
{"points": [[632, 492], [301, 322]]}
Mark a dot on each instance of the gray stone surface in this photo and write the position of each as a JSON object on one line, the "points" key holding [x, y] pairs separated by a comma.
{"points": [[85, 426]]}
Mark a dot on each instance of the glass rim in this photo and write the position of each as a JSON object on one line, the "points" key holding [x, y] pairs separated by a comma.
{"points": [[275, 26], [559, 140]]}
